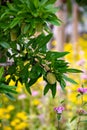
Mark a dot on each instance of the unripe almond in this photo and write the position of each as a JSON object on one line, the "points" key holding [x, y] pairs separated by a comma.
{"points": [[51, 78], [22, 27], [13, 35]]}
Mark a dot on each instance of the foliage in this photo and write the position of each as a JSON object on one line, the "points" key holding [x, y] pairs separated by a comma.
{"points": [[36, 111], [24, 35]]}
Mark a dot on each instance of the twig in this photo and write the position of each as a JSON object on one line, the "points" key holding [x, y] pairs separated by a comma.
{"points": [[6, 64]]}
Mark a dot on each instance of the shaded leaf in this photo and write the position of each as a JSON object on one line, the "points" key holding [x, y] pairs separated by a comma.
{"points": [[74, 71], [69, 79], [46, 89], [4, 44], [14, 22], [62, 84], [10, 96], [73, 118], [53, 89], [54, 55], [1, 72], [78, 95]]}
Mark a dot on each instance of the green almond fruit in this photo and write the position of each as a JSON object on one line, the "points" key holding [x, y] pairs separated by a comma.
{"points": [[13, 35], [51, 78]]}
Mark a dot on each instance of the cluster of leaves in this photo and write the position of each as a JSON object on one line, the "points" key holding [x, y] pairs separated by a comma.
{"points": [[19, 22], [4, 88]]}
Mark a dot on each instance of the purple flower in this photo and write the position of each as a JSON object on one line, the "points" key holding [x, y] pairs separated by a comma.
{"points": [[81, 62], [59, 109], [84, 76], [81, 112], [82, 90]]}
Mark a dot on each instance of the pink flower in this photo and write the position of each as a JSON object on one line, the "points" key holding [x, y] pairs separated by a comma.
{"points": [[34, 93], [82, 90], [21, 96], [81, 62], [84, 76], [59, 109]]}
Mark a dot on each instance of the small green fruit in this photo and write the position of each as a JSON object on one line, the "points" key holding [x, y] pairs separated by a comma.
{"points": [[51, 78], [22, 27], [13, 35]]}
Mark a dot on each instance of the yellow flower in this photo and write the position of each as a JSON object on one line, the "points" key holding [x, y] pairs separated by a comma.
{"points": [[7, 128], [19, 87], [21, 126], [7, 77], [10, 108], [11, 83], [7, 116], [21, 115], [15, 122], [2, 113], [72, 97], [36, 102]]}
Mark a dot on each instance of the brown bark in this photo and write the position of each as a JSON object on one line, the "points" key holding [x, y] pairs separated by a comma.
{"points": [[75, 29], [75, 23], [59, 31]]}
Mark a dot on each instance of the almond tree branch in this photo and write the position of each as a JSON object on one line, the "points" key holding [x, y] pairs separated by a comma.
{"points": [[6, 64]]}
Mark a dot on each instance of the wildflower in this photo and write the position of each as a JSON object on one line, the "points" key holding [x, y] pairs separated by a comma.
{"points": [[34, 93], [81, 62], [36, 102], [59, 109], [82, 90], [81, 112], [21, 115], [84, 76], [21, 96], [10, 108]]}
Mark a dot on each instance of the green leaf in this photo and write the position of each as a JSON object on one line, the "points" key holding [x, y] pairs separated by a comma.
{"points": [[62, 101], [1, 72], [10, 96], [7, 89], [73, 118], [69, 79], [78, 95], [74, 71], [58, 117], [53, 89], [51, 8], [43, 2], [85, 104], [31, 82], [54, 20], [26, 28], [14, 22], [35, 72], [62, 84], [50, 55], [4, 44], [43, 41], [28, 88], [51, 1], [36, 3], [46, 89], [83, 121]]}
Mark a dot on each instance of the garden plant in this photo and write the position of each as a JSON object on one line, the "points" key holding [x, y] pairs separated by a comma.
{"points": [[24, 58]]}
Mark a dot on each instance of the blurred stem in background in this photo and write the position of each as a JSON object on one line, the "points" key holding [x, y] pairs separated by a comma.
{"points": [[59, 31]]}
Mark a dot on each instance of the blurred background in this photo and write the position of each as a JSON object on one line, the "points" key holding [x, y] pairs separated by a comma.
{"points": [[36, 112]]}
